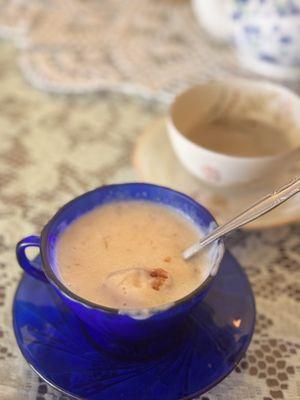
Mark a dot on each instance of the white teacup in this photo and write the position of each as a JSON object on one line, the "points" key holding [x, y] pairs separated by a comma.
{"points": [[215, 17], [234, 99], [267, 37]]}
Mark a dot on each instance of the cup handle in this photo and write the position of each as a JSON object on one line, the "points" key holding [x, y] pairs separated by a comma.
{"points": [[24, 262]]}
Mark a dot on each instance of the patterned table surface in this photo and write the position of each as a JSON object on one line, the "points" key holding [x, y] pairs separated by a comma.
{"points": [[153, 48], [149, 47], [54, 147]]}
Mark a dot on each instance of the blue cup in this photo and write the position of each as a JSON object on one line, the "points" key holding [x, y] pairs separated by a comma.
{"points": [[136, 334]]}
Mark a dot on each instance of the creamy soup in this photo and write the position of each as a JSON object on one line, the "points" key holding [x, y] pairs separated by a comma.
{"points": [[128, 255]]}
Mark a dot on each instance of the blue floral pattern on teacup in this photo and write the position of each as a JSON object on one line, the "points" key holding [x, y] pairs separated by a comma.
{"points": [[279, 7], [268, 33]]}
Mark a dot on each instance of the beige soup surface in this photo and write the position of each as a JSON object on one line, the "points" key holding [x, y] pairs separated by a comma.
{"points": [[128, 255]]}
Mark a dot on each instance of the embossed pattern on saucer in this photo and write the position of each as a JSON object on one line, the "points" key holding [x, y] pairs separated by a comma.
{"points": [[53, 342]]}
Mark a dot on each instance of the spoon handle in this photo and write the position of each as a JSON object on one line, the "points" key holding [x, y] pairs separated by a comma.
{"points": [[259, 208]]}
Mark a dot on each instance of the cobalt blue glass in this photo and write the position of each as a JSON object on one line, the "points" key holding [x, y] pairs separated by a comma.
{"points": [[125, 335], [53, 341]]}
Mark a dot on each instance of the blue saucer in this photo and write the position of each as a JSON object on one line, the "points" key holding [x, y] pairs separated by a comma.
{"points": [[54, 343]]}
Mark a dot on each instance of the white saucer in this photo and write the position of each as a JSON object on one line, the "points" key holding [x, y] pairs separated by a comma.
{"points": [[156, 162]]}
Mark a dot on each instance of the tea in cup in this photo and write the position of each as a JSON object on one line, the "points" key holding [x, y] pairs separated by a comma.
{"points": [[235, 131]]}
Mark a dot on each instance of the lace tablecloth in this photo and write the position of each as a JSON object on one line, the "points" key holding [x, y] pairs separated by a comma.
{"points": [[53, 148], [149, 47]]}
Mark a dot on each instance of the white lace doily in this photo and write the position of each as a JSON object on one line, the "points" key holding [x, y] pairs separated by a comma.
{"points": [[152, 47]]}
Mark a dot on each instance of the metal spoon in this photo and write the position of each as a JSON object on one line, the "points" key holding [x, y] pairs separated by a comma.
{"points": [[264, 205]]}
